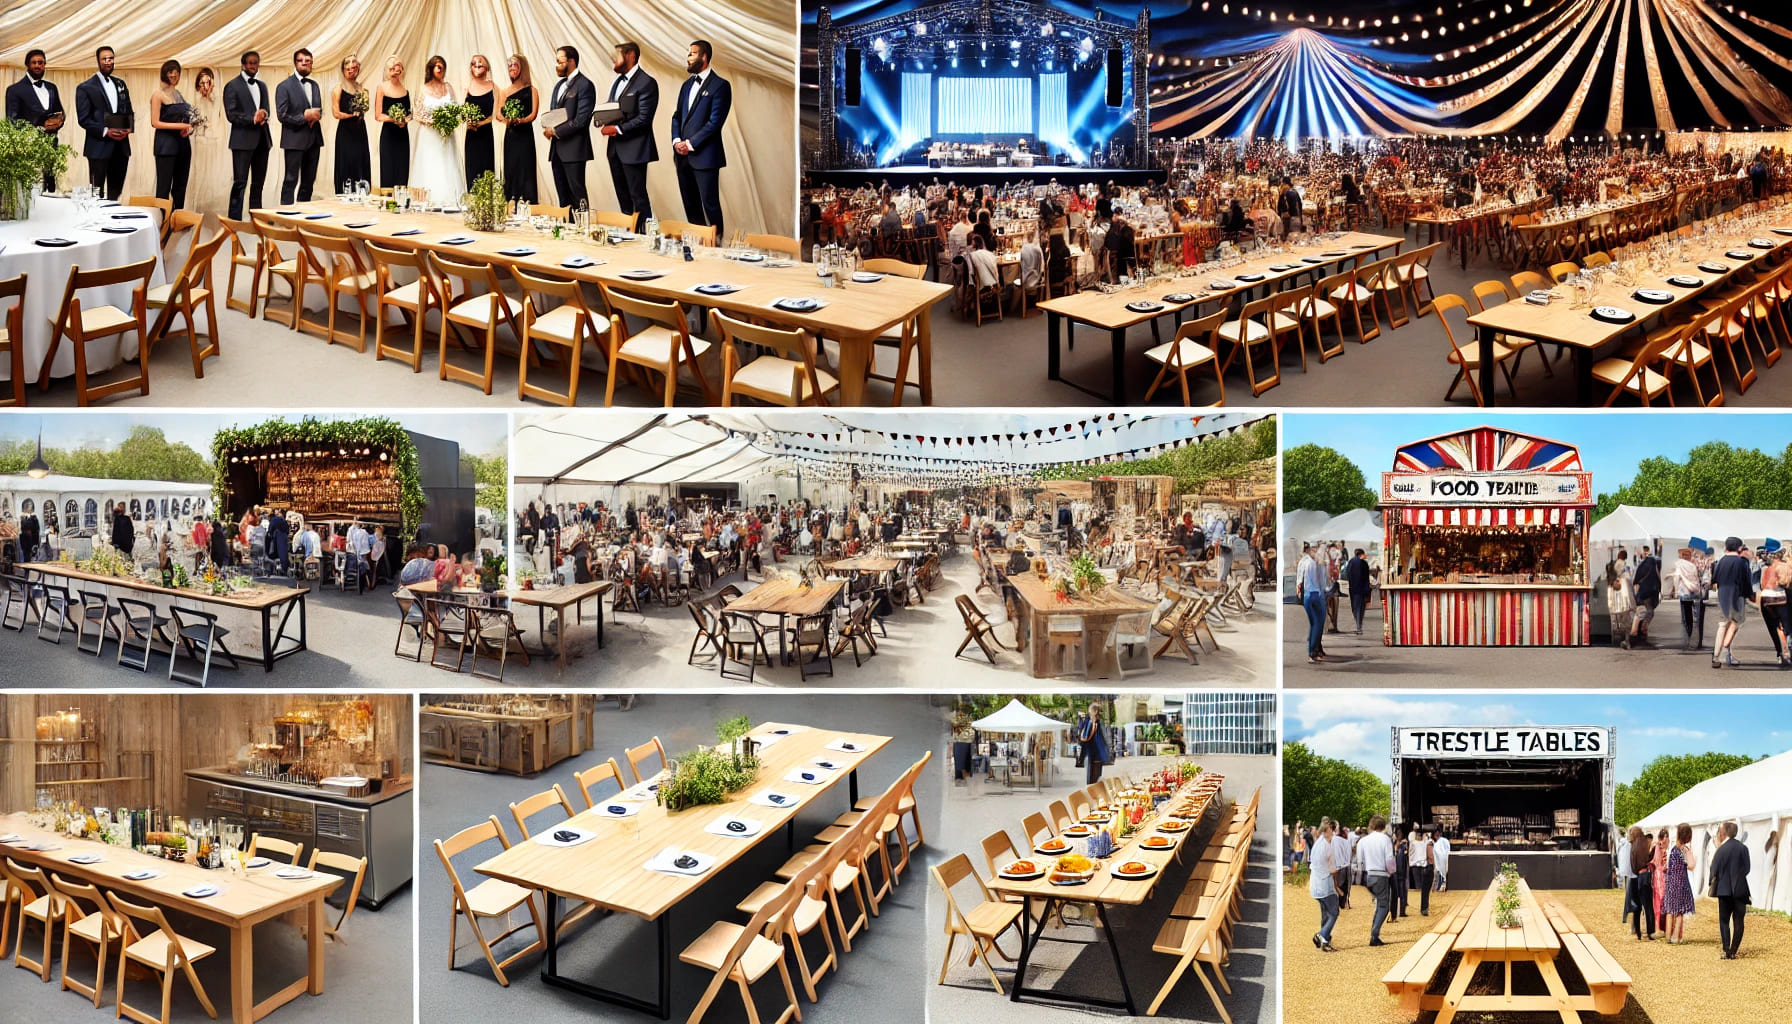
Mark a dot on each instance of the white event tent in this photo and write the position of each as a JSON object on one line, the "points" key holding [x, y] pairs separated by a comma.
{"points": [[1758, 797]]}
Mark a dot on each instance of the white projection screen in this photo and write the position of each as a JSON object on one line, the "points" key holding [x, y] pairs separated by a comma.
{"points": [[984, 106]]}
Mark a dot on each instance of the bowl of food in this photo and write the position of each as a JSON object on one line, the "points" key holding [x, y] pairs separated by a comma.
{"points": [[1022, 870], [1072, 869]]}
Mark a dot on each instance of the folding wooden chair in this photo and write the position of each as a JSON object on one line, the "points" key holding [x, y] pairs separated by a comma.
{"points": [[190, 290], [596, 775], [1468, 360], [783, 245], [482, 313], [744, 954], [1251, 335], [39, 901], [688, 233], [983, 925], [246, 257], [522, 810], [567, 326], [341, 272], [616, 219], [660, 347], [164, 207], [276, 241], [1352, 290], [638, 756], [161, 951], [86, 915], [976, 627], [413, 301], [785, 375], [355, 869], [492, 898], [82, 325], [913, 363], [12, 338], [1196, 345], [268, 846]]}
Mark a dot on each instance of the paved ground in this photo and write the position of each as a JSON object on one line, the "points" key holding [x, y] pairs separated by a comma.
{"points": [[366, 979], [877, 981], [1670, 984], [1363, 662], [973, 366], [977, 808]]}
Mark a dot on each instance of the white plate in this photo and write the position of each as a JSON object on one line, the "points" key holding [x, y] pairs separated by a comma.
{"points": [[1025, 876], [667, 861], [257, 862], [862, 277], [142, 874], [847, 747], [294, 874], [1115, 871], [641, 275], [563, 836], [86, 858], [200, 892], [826, 765], [1613, 314], [1654, 295]]}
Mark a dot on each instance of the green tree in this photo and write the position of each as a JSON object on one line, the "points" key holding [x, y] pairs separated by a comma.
{"points": [[1713, 475], [1315, 786], [146, 454], [1665, 778], [1317, 477], [1190, 465], [490, 474]]}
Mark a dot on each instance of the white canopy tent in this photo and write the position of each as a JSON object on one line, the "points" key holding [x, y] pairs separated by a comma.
{"points": [[83, 500], [1670, 528], [1358, 528], [666, 448], [1758, 797], [1017, 718]]}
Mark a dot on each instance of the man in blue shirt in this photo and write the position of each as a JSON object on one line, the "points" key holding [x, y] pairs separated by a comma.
{"points": [[1312, 582]]}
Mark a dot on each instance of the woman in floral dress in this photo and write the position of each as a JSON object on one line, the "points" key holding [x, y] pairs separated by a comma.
{"points": [[1659, 882], [1676, 899]]}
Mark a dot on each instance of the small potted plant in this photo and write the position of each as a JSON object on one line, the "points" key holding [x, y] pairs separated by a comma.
{"points": [[487, 208], [492, 574]]}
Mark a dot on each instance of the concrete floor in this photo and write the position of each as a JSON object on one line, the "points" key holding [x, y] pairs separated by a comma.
{"points": [[656, 642], [975, 809], [973, 366], [1363, 661], [877, 981], [366, 979]]}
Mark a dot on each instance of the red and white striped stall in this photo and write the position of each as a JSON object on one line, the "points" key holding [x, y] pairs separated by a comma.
{"points": [[1486, 542]]}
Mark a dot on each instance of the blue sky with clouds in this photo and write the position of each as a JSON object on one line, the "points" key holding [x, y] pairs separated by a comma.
{"points": [[1611, 443], [1353, 725], [478, 432]]}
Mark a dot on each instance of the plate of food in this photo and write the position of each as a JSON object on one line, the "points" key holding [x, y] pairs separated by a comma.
{"points": [[1132, 869], [1173, 825], [1713, 268], [1079, 831], [1760, 243], [1143, 306], [1179, 297], [1096, 818], [1653, 295], [1158, 843], [1073, 869], [1052, 847], [1220, 284], [1022, 871], [1613, 315]]}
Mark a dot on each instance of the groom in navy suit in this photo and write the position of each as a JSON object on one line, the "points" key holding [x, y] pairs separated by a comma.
{"points": [[108, 147], [703, 105]]}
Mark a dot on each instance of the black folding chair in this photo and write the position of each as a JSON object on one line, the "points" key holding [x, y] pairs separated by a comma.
{"points": [[201, 638]]}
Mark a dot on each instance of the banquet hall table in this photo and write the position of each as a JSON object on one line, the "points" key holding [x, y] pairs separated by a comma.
{"points": [[1191, 802], [1109, 311], [610, 870], [784, 598], [47, 271], [1099, 614], [558, 599], [854, 316], [866, 563], [243, 901], [263, 600], [1559, 323]]}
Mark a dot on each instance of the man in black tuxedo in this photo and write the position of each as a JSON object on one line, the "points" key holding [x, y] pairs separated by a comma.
{"points": [[98, 100], [569, 143], [29, 529], [246, 108], [1729, 883], [632, 146], [124, 532], [35, 101], [298, 102], [697, 153]]}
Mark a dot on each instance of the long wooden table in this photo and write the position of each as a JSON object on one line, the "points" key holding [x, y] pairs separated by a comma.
{"points": [[855, 316], [1099, 615], [609, 870], [263, 600], [1192, 801], [1107, 310], [242, 902], [1534, 941], [1560, 324], [559, 599], [784, 598]]}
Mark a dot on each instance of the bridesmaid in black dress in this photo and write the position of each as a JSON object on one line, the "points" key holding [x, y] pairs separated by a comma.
{"points": [[395, 137], [353, 163], [519, 138], [481, 156]]}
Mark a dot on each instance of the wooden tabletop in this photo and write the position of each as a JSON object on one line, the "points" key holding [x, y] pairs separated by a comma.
{"points": [[788, 597], [1108, 310], [1192, 799], [1560, 323], [1533, 934], [552, 597], [1546, 222], [256, 598], [243, 898], [860, 310], [1039, 595], [608, 870], [866, 563]]}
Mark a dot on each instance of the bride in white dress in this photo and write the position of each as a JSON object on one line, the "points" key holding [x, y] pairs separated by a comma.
{"points": [[435, 161]]}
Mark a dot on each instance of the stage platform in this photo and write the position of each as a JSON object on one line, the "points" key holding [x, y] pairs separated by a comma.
{"points": [[1471, 870], [899, 177]]}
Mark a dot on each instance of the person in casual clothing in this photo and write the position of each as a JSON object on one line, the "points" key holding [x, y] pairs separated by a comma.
{"points": [[1356, 573], [1310, 586], [1321, 887], [1424, 871], [1676, 896], [1343, 848], [1095, 745], [1729, 883], [1441, 854], [1689, 582], [1735, 586], [1290, 208], [1642, 882], [1377, 852], [1624, 874], [1645, 584], [418, 567], [1402, 862]]}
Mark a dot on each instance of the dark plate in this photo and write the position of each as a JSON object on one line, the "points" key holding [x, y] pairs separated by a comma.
{"points": [[796, 308], [1251, 277], [1311, 259], [1612, 317], [54, 243], [1686, 281], [318, 216], [408, 231], [1144, 307], [1740, 254], [117, 230], [1713, 268], [1782, 231], [1179, 297], [359, 224], [1652, 296]]}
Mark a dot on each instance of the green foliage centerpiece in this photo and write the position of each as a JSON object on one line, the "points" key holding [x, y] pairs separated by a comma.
{"points": [[707, 775], [372, 434], [1085, 572], [1505, 898], [448, 117], [487, 208], [26, 153]]}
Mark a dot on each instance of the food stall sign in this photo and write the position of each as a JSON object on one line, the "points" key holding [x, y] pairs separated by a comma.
{"points": [[1503, 488], [1503, 741]]}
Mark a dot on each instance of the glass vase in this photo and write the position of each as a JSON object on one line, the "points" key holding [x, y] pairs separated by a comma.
{"points": [[15, 201]]}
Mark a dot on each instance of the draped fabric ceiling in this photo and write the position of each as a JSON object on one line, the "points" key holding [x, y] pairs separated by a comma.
{"points": [[754, 40], [672, 447]]}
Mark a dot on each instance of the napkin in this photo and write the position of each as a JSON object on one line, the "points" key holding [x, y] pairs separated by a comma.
{"points": [[807, 776], [642, 274], [318, 216], [787, 730], [847, 747], [43, 847], [257, 862], [667, 861], [11, 837], [808, 305], [717, 288], [520, 250], [458, 240], [615, 809], [142, 874], [86, 858], [772, 798], [572, 836], [287, 213], [577, 262], [54, 243], [115, 229], [360, 223], [200, 892], [409, 231], [826, 764], [748, 827], [293, 874], [129, 216]]}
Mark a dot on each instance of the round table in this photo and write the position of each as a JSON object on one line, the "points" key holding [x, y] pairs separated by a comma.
{"points": [[47, 271]]}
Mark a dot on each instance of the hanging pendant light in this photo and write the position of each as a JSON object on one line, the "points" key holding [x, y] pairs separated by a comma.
{"points": [[38, 469]]}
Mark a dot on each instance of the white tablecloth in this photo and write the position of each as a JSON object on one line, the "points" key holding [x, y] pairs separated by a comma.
{"points": [[48, 270]]}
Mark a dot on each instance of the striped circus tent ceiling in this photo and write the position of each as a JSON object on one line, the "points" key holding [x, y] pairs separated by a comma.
{"points": [[671, 447]]}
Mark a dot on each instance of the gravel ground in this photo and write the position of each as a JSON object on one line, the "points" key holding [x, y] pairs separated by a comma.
{"points": [[1670, 984]]}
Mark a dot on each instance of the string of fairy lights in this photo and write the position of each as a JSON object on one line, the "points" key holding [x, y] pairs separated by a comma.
{"points": [[1469, 69]]}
